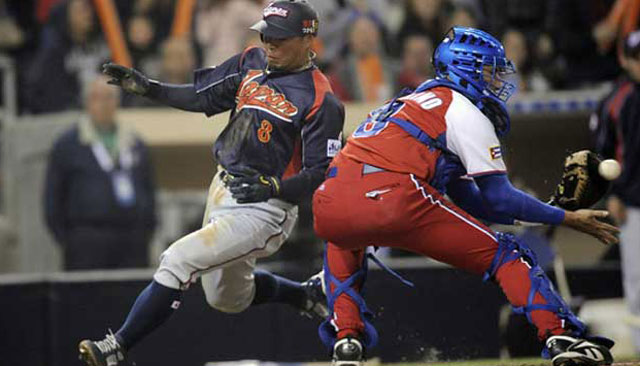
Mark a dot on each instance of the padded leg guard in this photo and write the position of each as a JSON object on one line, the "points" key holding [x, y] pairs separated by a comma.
{"points": [[510, 250], [327, 329]]}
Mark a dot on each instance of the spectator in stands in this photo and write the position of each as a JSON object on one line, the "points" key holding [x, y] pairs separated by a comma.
{"points": [[178, 61], [337, 17], [364, 73], [222, 27], [416, 62], [69, 55], [160, 13], [528, 78], [12, 35], [462, 16], [426, 17], [99, 193], [566, 36], [621, 20], [617, 135], [142, 43]]}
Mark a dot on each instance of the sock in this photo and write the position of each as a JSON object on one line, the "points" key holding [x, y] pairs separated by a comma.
{"points": [[154, 306], [273, 288]]}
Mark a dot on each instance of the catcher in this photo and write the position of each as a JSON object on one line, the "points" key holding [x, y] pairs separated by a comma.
{"points": [[387, 186]]}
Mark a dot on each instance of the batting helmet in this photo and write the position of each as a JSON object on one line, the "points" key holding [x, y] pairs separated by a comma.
{"points": [[286, 19]]}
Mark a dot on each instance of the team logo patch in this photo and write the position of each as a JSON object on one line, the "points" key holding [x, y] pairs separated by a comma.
{"points": [[309, 26], [495, 152], [274, 10], [333, 147], [254, 95]]}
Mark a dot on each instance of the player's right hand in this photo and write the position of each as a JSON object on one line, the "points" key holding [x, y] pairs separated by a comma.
{"points": [[131, 80], [587, 221]]}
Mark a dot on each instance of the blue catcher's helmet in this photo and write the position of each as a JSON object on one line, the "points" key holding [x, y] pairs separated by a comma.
{"points": [[474, 60]]}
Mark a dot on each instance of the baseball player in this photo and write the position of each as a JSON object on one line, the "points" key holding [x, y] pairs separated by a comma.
{"points": [[616, 133], [284, 128], [399, 163]]}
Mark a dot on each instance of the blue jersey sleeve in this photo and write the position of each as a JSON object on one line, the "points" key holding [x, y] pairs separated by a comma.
{"points": [[466, 194], [217, 86], [505, 199]]}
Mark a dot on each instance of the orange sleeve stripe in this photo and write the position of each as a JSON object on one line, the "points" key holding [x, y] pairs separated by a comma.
{"points": [[183, 18], [322, 87], [614, 18], [616, 104], [295, 164], [630, 21], [113, 31]]}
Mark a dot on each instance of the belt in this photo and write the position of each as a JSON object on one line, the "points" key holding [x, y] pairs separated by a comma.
{"points": [[366, 169], [225, 177]]}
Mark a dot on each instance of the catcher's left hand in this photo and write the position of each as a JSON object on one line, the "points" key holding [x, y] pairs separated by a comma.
{"points": [[254, 189], [581, 185]]}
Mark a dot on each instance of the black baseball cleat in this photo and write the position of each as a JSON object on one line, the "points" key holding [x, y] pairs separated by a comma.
{"points": [[348, 352], [316, 302], [106, 352], [569, 351]]}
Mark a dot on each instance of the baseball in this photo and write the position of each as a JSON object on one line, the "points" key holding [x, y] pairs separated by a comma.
{"points": [[609, 169]]}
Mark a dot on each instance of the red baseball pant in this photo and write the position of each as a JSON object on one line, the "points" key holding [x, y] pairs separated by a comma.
{"points": [[354, 210]]}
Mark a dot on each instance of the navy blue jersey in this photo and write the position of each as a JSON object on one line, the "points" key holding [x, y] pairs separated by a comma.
{"points": [[282, 124], [616, 134]]}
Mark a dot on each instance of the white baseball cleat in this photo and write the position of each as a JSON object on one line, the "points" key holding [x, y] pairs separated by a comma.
{"points": [[348, 352], [570, 351]]}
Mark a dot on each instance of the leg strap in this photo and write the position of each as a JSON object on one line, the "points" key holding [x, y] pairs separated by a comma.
{"points": [[508, 250], [327, 329]]}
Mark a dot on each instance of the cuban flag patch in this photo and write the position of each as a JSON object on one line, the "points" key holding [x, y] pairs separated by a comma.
{"points": [[495, 152]]}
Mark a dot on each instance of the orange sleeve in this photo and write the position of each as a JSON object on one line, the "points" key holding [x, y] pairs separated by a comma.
{"points": [[630, 21], [616, 15], [112, 29], [182, 18]]}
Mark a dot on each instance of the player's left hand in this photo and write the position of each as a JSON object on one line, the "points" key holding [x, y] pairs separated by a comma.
{"points": [[588, 221], [131, 80], [258, 188]]}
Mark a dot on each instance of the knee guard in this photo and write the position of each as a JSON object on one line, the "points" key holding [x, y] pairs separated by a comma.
{"points": [[509, 250], [327, 330]]}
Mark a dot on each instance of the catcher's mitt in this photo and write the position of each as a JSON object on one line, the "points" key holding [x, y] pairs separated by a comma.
{"points": [[581, 185]]}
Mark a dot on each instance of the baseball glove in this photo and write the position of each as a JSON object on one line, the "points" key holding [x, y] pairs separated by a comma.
{"points": [[581, 185]]}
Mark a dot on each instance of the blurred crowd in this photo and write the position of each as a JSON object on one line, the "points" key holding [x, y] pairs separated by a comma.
{"points": [[369, 48]]}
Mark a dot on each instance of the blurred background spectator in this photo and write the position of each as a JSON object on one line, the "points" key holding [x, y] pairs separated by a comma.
{"points": [[69, 54], [528, 77], [416, 62], [425, 17], [364, 73], [99, 195], [222, 27]]}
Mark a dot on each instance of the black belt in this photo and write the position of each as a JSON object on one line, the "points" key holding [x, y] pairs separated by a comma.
{"points": [[225, 177]]}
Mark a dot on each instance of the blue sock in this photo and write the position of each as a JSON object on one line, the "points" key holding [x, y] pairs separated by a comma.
{"points": [[273, 288], [154, 306]]}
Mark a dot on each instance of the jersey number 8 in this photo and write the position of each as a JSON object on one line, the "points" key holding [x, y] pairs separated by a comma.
{"points": [[264, 132]]}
